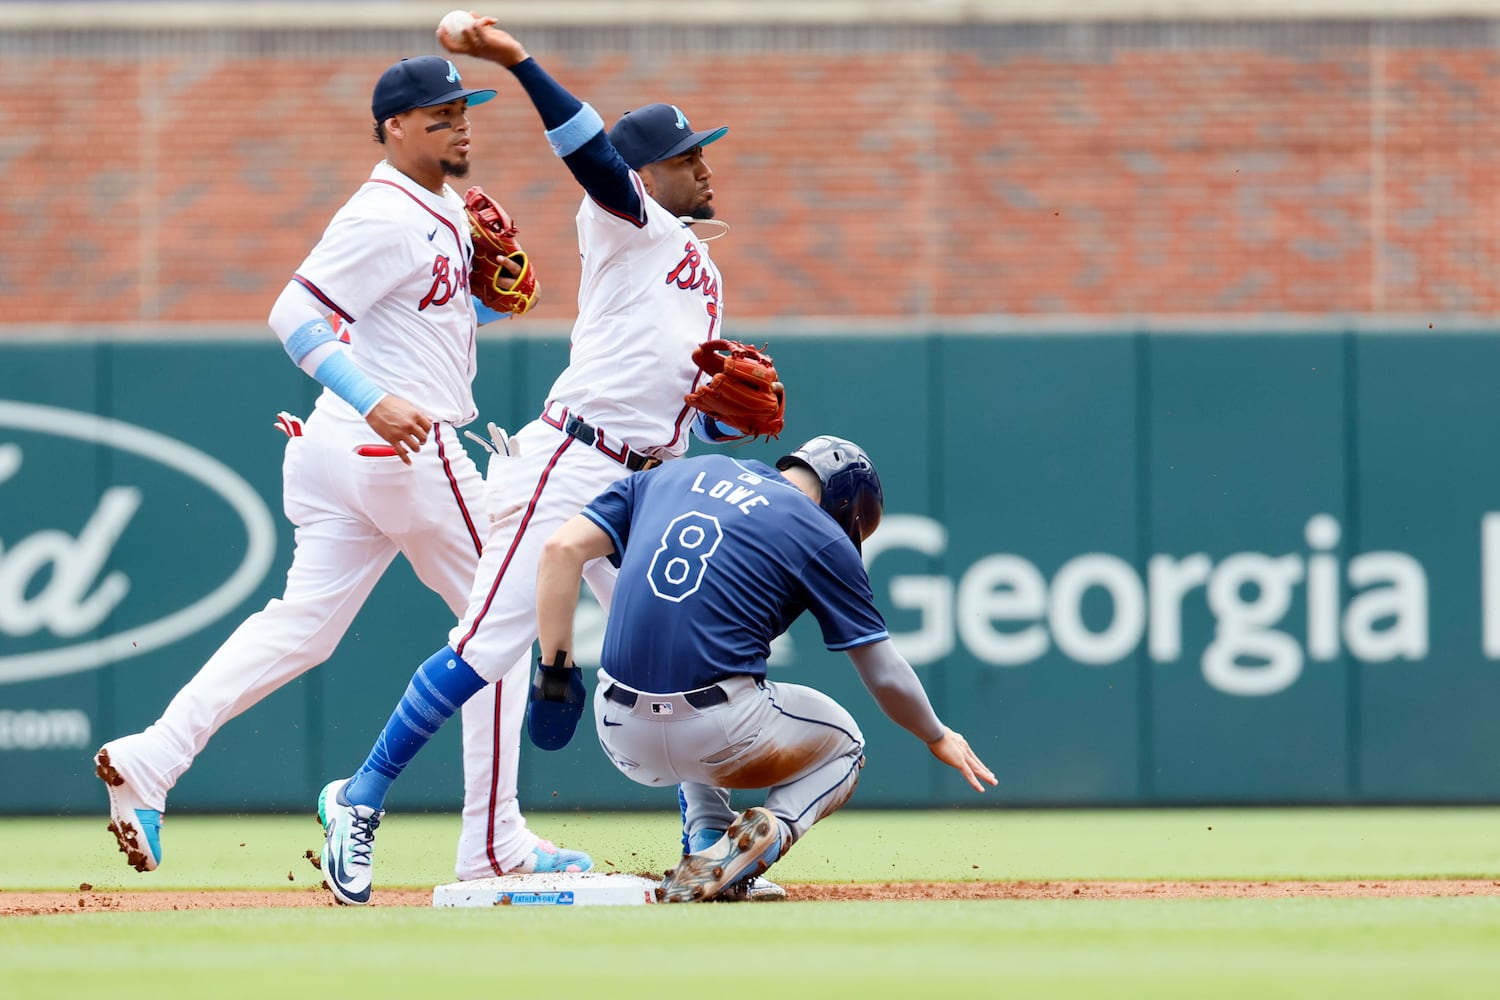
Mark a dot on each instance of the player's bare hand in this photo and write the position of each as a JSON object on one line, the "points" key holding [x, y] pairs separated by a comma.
{"points": [[400, 425], [512, 271], [952, 749], [485, 41]]}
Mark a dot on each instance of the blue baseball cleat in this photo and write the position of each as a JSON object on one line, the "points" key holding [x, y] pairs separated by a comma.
{"points": [[546, 858]]}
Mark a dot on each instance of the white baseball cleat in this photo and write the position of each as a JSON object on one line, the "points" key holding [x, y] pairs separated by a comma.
{"points": [[753, 890], [136, 826], [348, 846]]}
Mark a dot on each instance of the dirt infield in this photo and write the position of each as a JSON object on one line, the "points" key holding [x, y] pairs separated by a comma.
{"points": [[86, 900]]}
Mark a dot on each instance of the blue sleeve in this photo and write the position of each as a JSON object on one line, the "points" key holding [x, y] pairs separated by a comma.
{"points": [[484, 314], [610, 510], [576, 133], [839, 595], [551, 99]]}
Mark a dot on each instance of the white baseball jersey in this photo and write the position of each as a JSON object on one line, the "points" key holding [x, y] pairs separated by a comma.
{"points": [[648, 295], [393, 265]]}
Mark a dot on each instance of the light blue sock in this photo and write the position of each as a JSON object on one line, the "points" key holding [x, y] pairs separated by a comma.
{"points": [[436, 690], [699, 840], [703, 840]]}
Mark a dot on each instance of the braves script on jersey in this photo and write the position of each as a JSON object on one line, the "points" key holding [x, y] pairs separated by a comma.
{"points": [[630, 367], [692, 534], [395, 259], [648, 295]]}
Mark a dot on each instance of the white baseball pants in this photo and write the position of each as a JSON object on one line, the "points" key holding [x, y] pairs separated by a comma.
{"points": [[353, 513], [529, 497]]}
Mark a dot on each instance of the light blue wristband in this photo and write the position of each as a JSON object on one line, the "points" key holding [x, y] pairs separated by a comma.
{"points": [[308, 338], [339, 373], [573, 133]]}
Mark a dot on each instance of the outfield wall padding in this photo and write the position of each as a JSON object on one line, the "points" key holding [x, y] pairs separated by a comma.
{"points": [[1134, 569]]}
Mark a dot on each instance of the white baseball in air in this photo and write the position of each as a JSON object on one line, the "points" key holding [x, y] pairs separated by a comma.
{"points": [[455, 23]]}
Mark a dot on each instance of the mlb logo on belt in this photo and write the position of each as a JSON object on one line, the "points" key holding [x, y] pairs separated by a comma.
{"points": [[661, 708]]}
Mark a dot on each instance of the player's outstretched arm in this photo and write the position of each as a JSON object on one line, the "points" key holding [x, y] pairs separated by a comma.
{"points": [[898, 691], [574, 129]]}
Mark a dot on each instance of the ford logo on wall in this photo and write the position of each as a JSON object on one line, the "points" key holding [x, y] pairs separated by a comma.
{"points": [[115, 541]]}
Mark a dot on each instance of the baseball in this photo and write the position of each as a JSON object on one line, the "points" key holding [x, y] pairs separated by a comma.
{"points": [[455, 23]]}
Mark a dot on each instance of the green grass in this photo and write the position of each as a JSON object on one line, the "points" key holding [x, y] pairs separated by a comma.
{"points": [[230, 852], [1291, 947], [1281, 947]]}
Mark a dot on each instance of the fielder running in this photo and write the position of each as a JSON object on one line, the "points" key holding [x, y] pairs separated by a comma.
{"points": [[378, 468], [716, 558], [648, 295]]}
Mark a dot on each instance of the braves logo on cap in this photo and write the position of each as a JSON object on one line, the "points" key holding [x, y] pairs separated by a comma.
{"points": [[657, 132], [423, 82]]}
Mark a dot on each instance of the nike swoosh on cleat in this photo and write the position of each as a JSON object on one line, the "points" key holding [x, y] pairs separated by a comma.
{"points": [[608, 723], [340, 878]]}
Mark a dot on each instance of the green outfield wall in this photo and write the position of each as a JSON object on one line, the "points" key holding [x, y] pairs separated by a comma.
{"points": [[1139, 568]]}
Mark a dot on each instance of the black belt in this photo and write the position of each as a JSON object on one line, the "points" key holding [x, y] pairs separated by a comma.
{"points": [[702, 698], [576, 427]]}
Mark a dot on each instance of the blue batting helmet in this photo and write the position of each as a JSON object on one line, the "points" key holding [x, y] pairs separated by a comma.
{"points": [[851, 488]]}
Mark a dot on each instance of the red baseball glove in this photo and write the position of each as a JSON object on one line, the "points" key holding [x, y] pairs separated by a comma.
{"points": [[495, 241], [742, 390]]}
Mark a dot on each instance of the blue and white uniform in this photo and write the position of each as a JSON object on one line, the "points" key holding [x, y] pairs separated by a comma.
{"points": [[716, 558]]}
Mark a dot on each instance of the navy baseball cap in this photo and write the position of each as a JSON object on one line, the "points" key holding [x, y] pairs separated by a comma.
{"points": [[657, 132], [420, 83]]}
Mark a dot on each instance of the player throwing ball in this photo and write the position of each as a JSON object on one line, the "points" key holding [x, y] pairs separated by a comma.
{"points": [[716, 558], [649, 296]]}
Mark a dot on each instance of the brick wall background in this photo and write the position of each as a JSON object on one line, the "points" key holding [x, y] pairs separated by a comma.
{"points": [[1093, 170]]}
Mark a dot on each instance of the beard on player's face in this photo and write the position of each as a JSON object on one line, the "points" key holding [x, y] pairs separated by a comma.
{"points": [[682, 201], [452, 169]]}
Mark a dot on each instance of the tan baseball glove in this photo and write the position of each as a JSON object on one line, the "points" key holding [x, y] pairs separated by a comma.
{"points": [[491, 281]]}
